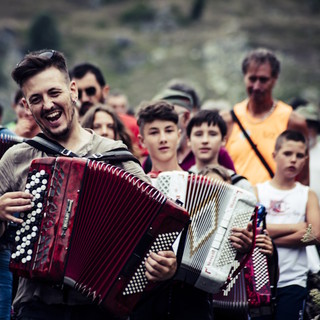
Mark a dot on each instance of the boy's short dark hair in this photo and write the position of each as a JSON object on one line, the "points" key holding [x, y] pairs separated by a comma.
{"points": [[158, 110], [37, 61], [210, 117], [81, 69], [290, 135]]}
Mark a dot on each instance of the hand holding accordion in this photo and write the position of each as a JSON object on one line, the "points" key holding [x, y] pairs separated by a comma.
{"points": [[93, 226], [215, 208]]}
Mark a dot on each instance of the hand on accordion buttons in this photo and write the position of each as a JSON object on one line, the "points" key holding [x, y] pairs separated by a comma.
{"points": [[241, 239], [263, 241], [161, 266], [12, 202]]}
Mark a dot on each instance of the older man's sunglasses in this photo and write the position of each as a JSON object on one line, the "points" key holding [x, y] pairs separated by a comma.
{"points": [[90, 91]]}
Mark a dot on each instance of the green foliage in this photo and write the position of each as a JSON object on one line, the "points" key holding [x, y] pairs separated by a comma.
{"points": [[44, 33], [138, 13]]}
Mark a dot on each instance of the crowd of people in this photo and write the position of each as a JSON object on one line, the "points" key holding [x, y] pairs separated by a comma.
{"points": [[262, 145]]}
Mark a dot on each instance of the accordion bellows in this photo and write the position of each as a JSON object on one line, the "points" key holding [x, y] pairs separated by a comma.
{"points": [[92, 226], [215, 208]]}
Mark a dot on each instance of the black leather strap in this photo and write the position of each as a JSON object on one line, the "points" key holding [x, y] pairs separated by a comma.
{"points": [[252, 144], [43, 143]]}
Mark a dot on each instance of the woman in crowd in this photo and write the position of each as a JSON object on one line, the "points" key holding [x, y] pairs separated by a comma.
{"points": [[103, 121]]}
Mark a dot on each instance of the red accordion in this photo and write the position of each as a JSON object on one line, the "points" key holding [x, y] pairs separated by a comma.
{"points": [[7, 141], [92, 226]]}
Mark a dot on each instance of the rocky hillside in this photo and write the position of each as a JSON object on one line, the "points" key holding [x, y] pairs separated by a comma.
{"points": [[140, 45]]}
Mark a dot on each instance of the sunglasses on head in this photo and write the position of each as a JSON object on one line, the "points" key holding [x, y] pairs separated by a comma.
{"points": [[47, 55], [90, 91]]}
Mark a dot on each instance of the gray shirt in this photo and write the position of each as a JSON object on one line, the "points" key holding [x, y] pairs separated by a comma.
{"points": [[14, 167]]}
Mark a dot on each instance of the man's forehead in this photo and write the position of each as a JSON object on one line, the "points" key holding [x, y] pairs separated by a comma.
{"points": [[89, 79], [256, 67], [44, 80]]}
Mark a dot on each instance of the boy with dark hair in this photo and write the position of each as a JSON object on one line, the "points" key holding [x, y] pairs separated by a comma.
{"points": [[293, 221], [206, 133], [159, 133]]}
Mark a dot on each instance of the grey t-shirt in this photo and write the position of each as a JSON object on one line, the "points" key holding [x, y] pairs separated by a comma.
{"points": [[14, 167]]}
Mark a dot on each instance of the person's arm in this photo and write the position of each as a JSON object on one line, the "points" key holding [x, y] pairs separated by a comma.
{"points": [[313, 219], [281, 230], [298, 123], [303, 234]]}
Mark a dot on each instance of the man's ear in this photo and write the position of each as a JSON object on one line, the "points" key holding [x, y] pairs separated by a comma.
{"points": [[141, 140], [26, 106], [105, 92], [73, 91]]}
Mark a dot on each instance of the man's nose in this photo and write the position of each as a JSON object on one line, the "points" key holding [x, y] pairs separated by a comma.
{"points": [[84, 96], [47, 102], [256, 85]]}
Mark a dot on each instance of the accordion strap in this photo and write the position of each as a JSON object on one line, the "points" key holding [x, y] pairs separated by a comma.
{"points": [[115, 155], [43, 143], [252, 144]]}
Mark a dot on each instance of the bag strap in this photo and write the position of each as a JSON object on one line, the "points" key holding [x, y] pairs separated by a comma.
{"points": [[43, 143], [252, 144]]}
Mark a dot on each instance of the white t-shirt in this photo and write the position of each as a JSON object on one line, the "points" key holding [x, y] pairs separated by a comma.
{"points": [[283, 207]]}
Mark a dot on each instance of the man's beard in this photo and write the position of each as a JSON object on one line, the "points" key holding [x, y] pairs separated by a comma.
{"points": [[84, 108], [64, 133]]}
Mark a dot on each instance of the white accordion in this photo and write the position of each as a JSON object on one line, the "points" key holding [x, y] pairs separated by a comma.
{"points": [[215, 208]]}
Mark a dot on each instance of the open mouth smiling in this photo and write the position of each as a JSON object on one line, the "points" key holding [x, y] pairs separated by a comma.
{"points": [[53, 116]]}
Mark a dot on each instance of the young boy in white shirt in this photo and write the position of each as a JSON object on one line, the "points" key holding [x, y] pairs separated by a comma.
{"points": [[293, 221]]}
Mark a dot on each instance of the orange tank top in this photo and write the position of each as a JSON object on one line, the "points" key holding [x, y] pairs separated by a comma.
{"points": [[263, 133]]}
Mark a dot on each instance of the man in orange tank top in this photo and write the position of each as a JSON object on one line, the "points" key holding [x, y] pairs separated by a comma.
{"points": [[262, 117]]}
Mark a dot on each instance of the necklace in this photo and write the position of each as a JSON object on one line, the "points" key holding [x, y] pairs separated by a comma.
{"points": [[266, 115]]}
